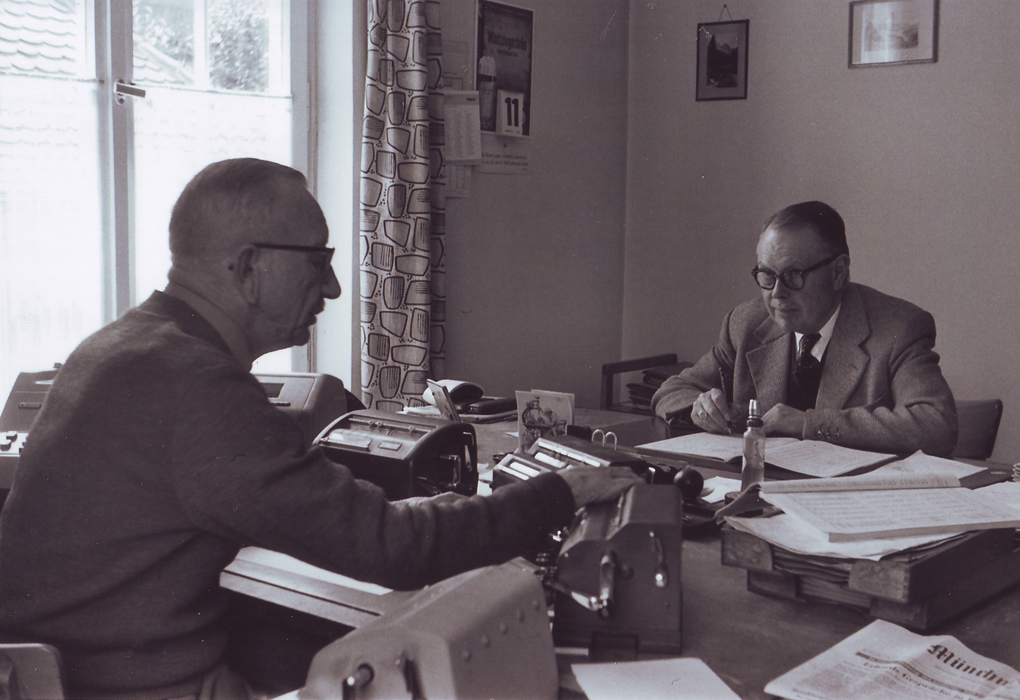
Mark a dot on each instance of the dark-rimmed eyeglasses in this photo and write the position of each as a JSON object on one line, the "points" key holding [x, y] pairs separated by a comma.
{"points": [[792, 279], [314, 249]]}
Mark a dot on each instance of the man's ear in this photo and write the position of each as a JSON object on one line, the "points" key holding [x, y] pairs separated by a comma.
{"points": [[246, 274], [842, 269]]}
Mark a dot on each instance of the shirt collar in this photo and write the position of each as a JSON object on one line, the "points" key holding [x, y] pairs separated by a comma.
{"points": [[818, 351], [192, 292]]}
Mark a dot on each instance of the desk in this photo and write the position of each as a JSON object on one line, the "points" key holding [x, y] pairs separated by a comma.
{"points": [[746, 638]]}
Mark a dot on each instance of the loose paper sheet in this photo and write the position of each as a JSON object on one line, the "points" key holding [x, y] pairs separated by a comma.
{"points": [[886, 661], [713, 445], [810, 457], [673, 679]]}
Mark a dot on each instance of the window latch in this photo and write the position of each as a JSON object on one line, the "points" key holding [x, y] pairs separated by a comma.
{"points": [[124, 89]]}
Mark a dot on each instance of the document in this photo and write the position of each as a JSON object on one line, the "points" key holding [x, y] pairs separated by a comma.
{"points": [[886, 662], [858, 515], [794, 536], [919, 471], [809, 457], [463, 136], [675, 679]]}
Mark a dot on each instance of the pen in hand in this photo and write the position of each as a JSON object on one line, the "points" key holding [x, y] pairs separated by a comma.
{"points": [[730, 426]]}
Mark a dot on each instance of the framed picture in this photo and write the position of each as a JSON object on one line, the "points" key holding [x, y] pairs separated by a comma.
{"points": [[503, 78], [722, 60], [893, 32]]}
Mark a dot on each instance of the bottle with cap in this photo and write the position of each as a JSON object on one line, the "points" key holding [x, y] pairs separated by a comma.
{"points": [[753, 470], [487, 92]]}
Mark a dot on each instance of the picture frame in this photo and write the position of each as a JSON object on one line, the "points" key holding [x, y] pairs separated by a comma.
{"points": [[722, 60], [893, 32], [504, 52]]}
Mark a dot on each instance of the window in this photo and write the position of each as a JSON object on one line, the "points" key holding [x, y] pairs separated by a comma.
{"points": [[88, 176]]}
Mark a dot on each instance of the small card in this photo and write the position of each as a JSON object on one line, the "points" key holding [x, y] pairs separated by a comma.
{"points": [[542, 414]]}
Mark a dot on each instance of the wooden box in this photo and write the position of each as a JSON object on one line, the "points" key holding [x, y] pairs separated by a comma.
{"points": [[917, 590]]}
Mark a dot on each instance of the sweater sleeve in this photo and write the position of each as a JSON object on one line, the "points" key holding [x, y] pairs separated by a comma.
{"points": [[242, 472]]}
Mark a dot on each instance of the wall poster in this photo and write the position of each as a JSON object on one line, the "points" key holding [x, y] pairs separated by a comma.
{"points": [[503, 77]]}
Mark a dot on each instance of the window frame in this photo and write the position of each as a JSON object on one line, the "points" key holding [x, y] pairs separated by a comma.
{"points": [[110, 52]]}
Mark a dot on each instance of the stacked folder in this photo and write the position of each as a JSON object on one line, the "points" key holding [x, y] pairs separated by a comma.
{"points": [[640, 393]]}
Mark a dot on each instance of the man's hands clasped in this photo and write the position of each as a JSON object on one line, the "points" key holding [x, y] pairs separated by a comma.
{"points": [[713, 413]]}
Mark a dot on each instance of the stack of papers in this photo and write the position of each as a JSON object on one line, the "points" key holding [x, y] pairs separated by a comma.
{"points": [[918, 496]]}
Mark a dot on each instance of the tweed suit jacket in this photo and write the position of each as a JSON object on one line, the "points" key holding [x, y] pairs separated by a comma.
{"points": [[881, 387]]}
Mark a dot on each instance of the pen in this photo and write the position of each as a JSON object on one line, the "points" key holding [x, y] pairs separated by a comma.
{"points": [[722, 381]]}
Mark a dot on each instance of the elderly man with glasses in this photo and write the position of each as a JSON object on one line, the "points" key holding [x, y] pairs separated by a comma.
{"points": [[157, 456], [826, 358]]}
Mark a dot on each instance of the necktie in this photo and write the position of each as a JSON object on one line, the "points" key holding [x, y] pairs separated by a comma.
{"points": [[806, 362]]}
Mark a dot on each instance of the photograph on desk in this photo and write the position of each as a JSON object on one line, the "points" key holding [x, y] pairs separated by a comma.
{"points": [[543, 414]]}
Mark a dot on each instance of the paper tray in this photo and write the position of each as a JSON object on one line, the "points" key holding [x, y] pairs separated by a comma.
{"points": [[917, 591]]}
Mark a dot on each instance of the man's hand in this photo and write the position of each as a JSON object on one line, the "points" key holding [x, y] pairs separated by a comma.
{"points": [[712, 412], [597, 484], [784, 420]]}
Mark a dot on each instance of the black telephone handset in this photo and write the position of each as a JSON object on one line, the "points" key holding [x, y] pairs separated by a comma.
{"points": [[698, 514]]}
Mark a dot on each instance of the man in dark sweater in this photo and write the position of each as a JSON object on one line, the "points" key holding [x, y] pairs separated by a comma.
{"points": [[157, 456]]}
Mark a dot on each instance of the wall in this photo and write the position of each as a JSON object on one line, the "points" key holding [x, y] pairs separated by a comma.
{"points": [[921, 160], [535, 262]]}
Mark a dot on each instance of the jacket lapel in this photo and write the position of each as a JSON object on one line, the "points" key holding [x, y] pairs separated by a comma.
{"points": [[769, 364], [845, 360]]}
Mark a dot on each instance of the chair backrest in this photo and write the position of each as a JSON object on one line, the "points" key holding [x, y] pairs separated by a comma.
{"points": [[31, 672], [611, 369], [978, 421]]}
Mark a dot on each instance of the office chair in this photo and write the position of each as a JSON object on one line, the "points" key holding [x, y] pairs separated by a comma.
{"points": [[978, 421], [31, 672]]}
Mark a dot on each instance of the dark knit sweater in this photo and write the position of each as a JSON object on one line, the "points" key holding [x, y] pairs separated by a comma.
{"points": [[156, 457]]}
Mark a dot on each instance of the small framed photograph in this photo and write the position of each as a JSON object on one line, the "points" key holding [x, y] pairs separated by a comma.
{"points": [[893, 32], [722, 60]]}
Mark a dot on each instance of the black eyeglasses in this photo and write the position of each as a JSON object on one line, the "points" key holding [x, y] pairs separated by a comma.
{"points": [[792, 279], [319, 250]]}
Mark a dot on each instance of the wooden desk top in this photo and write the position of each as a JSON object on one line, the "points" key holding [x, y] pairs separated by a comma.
{"points": [[750, 639]]}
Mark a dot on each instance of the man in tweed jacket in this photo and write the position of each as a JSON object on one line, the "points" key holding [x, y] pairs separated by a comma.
{"points": [[879, 386]]}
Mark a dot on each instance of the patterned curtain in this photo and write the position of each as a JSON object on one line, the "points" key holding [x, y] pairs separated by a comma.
{"points": [[403, 213]]}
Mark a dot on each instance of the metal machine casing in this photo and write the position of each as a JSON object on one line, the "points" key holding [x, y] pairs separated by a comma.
{"points": [[630, 549], [406, 455], [312, 400], [23, 405], [482, 634]]}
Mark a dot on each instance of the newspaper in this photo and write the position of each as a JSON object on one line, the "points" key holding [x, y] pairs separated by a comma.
{"points": [[886, 662]]}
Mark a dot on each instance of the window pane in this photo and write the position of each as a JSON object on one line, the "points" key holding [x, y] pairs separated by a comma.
{"points": [[50, 235], [180, 128], [239, 45], [164, 42]]}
